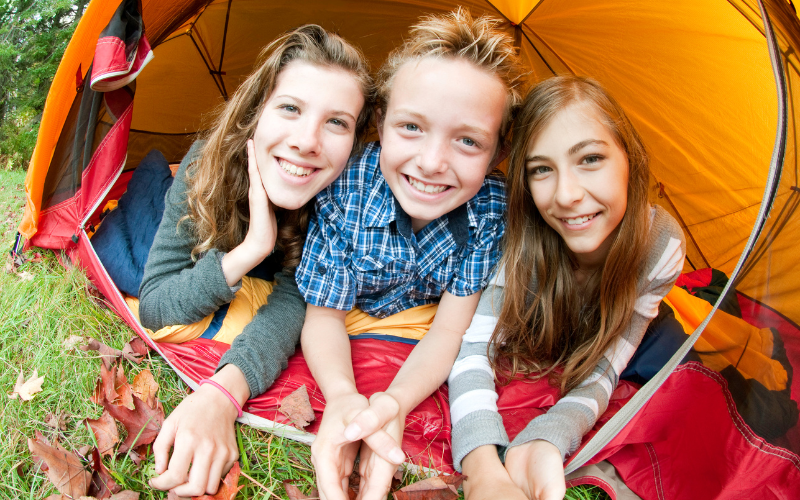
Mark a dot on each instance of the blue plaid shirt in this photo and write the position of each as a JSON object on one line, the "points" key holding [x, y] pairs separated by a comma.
{"points": [[360, 249]]}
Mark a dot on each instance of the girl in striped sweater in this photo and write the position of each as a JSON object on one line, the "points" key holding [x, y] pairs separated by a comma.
{"points": [[587, 260]]}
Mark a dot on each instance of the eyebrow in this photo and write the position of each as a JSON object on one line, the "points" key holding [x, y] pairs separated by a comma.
{"points": [[588, 142], [574, 149], [336, 112]]}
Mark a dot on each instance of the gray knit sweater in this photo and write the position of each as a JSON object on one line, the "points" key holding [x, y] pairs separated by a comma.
{"points": [[473, 399], [176, 290]]}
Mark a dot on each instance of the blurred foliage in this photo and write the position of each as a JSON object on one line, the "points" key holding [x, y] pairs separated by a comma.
{"points": [[33, 37]]}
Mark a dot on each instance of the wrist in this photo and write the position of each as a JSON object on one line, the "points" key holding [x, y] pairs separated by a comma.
{"points": [[211, 398]]}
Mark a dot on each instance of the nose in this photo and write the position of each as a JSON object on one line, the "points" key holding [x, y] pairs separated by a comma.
{"points": [[569, 189], [305, 137], [432, 158]]}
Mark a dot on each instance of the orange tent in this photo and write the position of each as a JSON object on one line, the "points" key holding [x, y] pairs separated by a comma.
{"points": [[694, 75]]}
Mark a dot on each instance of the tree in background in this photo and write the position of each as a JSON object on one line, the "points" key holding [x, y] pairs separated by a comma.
{"points": [[33, 37]]}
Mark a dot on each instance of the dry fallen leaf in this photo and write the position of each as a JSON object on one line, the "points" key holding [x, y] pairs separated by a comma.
{"points": [[25, 276], [125, 495], [124, 389], [73, 341], [297, 407], [105, 433], [108, 354], [228, 489], [145, 387], [433, 488], [294, 493], [25, 390], [138, 346], [58, 422], [65, 470], [142, 423], [103, 485]]}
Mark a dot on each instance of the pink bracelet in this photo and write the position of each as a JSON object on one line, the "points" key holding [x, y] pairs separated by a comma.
{"points": [[225, 392]]}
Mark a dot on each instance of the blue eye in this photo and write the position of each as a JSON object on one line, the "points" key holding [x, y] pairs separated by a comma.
{"points": [[411, 127], [468, 142], [339, 123], [541, 169], [592, 159], [290, 108]]}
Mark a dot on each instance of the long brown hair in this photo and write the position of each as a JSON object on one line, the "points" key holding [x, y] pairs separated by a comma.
{"points": [[218, 181], [559, 329], [456, 35]]}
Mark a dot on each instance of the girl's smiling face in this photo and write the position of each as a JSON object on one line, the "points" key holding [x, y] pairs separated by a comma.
{"points": [[578, 176], [306, 131]]}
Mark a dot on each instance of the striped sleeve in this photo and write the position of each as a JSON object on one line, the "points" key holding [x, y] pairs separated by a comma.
{"points": [[473, 399], [565, 424]]}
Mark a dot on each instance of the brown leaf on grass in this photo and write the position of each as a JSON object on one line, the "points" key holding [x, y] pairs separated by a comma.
{"points": [[124, 389], [125, 495], [228, 489], [25, 276], [25, 390], [135, 457], [138, 346], [297, 407], [37, 460], [74, 341], [354, 484], [433, 488], [142, 423], [58, 422], [145, 387], [454, 480], [94, 294], [294, 493], [65, 470], [105, 433], [108, 354], [103, 485]]}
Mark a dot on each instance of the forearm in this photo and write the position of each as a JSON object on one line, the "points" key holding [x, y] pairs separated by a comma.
{"points": [[262, 351], [425, 369], [429, 364], [239, 261], [326, 348]]}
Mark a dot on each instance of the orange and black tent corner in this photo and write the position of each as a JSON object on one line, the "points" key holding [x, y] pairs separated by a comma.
{"points": [[711, 85]]}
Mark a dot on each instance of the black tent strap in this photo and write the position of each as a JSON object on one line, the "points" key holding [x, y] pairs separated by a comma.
{"points": [[624, 415]]}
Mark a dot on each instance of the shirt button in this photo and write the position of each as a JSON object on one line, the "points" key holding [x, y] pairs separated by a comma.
{"points": [[321, 269]]}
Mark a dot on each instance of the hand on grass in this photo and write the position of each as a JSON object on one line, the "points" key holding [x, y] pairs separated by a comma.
{"points": [[202, 434], [332, 454], [538, 469]]}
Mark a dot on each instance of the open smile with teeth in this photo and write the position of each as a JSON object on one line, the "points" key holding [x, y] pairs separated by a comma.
{"points": [[579, 220], [426, 188], [292, 169]]}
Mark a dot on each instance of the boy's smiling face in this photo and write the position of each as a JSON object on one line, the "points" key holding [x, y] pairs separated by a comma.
{"points": [[439, 135]]}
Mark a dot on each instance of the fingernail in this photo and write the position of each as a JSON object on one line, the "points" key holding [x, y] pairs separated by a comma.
{"points": [[352, 432], [397, 456]]}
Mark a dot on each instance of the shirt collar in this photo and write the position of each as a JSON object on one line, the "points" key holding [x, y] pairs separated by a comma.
{"points": [[383, 208]]}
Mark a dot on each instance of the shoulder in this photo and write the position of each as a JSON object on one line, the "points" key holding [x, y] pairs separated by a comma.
{"points": [[490, 202], [667, 245], [192, 156]]}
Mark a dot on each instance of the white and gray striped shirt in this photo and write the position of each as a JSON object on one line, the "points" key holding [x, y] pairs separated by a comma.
{"points": [[473, 399]]}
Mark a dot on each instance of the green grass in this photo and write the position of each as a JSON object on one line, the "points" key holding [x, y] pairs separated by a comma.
{"points": [[36, 316]]}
